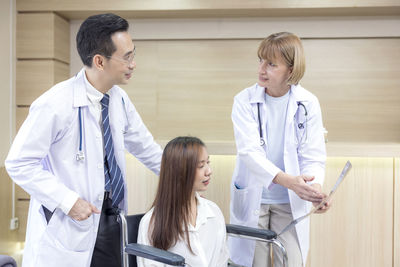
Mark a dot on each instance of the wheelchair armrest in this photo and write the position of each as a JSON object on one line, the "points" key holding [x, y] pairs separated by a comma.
{"points": [[155, 254], [250, 232]]}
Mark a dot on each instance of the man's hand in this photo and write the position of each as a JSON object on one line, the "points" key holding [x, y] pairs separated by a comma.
{"points": [[82, 210]]}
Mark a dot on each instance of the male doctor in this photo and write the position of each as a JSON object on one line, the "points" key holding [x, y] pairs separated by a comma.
{"points": [[69, 153]]}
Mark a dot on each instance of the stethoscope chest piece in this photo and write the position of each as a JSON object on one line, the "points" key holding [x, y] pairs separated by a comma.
{"points": [[262, 142], [80, 156]]}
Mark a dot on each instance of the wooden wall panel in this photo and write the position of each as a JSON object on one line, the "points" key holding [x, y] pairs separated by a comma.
{"points": [[357, 84], [7, 237], [61, 39], [34, 77], [42, 36], [21, 114], [158, 8], [22, 207], [187, 86], [219, 189], [358, 229], [396, 221], [142, 186]]}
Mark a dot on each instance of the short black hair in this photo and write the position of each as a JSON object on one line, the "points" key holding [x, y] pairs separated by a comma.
{"points": [[94, 36]]}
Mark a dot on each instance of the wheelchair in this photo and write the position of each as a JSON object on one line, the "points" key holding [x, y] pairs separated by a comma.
{"points": [[130, 249]]}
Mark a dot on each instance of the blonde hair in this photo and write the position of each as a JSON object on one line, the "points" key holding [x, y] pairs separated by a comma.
{"points": [[287, 46]]}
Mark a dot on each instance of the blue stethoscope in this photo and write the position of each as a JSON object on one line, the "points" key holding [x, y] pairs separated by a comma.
{"points": [[300, 125], [80, 156]]}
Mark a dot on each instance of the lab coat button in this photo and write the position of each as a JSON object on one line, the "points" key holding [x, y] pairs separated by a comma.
{"points": [[98, 136], [101, 197], [256, 212], [99, 166]]}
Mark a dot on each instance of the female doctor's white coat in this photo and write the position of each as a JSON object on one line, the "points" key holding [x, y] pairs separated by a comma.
{"points": [[42, 160], [304, 153]]}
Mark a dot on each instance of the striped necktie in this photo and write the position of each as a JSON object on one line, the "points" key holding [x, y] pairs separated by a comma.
{"points": [[112, 172]]}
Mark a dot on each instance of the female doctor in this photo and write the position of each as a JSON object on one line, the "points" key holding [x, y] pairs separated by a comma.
{"points": [[280, 154]]}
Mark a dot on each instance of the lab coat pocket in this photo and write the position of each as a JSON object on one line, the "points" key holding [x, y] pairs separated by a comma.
{"points": [[53, 255], [245, 201], [65, 232]]}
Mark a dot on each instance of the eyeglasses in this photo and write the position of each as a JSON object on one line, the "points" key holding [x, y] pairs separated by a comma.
{"points": [[127, 60]]}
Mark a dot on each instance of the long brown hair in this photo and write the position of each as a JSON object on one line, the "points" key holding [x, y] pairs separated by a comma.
{"points": [[171, 214]]}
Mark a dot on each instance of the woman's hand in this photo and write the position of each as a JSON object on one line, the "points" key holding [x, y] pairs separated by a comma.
{"points": [[326, 206], [299, 185]]}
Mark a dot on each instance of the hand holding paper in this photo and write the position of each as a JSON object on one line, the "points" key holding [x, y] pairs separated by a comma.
{"points": [[324, 202]]}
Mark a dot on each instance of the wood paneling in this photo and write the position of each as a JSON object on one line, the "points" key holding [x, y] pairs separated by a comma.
{"points": [[396, 209], [36, 5], [21, 114], [187, 86], [61, 39], [159, 8], [34, 77], [7, 237], [141, 185], [42, 36], [358, 229], [219, 189], [22, 207], [357, 84]]}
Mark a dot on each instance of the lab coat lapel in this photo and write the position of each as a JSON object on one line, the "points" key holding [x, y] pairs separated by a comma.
{"points": [[80, 95]]}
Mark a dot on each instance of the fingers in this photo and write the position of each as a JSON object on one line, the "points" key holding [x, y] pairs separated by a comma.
{"points": [[312, 197], [324, 208], [308, 192], [308, 178], [95, 209], [82, 210]]}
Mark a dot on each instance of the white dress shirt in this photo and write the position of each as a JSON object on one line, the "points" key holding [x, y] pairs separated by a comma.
{"points": [[207, 238], [94, 97]]}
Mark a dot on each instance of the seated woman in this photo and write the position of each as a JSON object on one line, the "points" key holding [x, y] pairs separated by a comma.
{"points": [[181, 221]]}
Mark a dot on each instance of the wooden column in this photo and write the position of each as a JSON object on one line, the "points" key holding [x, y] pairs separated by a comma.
{"points": [[42, 50]]}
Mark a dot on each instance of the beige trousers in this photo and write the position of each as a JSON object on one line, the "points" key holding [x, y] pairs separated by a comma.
{"points": [[275, 217]]}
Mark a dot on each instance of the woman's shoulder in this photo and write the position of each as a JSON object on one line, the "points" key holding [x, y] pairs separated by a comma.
{"points": [[213, 207], [304, 94], [246, 93], [146, 218]]}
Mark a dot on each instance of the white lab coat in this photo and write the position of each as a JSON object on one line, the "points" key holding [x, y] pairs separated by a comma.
{"points": [[42, 160], [254, 171]]}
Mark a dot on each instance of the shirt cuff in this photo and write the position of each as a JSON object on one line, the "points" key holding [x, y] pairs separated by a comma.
{"points": [[68, 202]]}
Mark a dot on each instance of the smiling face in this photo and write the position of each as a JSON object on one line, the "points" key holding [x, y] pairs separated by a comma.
{"points": [[120, 65], [203, 172]]}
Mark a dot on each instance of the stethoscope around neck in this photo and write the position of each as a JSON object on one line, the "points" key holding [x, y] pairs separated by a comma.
{"points": [[80, 156], [300, 125]]}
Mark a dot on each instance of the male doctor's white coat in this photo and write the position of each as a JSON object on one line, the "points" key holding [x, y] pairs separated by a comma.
{"points": [[304, 153], [42, 160]]}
